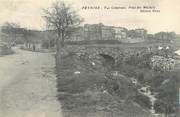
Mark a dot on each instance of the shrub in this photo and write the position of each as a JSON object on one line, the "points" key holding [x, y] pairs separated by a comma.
{"points": [[5, 50], [142, 100], [168, 95]]}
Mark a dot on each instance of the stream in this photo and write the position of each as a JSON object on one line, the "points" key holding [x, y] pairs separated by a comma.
{"points": [[145, 90]]}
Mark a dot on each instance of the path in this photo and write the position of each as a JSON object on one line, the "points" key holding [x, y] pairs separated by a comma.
{"points": [[178, 52], [28, 85]]}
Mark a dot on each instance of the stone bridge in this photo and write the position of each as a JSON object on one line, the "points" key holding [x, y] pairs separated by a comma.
{"points": [[116, 52], [135, 54]]}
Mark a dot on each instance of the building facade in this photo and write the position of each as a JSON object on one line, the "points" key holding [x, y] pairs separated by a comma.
{"points": [[93, 32], [120, 33], [103, 32], [165, 36]]}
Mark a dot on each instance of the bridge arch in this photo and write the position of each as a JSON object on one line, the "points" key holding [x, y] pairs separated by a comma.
{"points": [[107, 60]]}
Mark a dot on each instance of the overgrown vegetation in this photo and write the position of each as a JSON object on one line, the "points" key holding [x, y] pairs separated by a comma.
{"points": [[165, 84], [5, 50], [95, 81], [167, 102], [94, 89], [88, 85]]}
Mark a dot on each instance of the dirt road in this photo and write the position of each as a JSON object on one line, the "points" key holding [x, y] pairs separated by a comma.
{"points": [[28, 85]]}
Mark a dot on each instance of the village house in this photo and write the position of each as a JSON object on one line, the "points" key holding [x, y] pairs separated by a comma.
{"points": [[120, 33], [103, 32], [108, 33], [93, 32], [150, 37], [141, 33], [165, 36], [98, 32], [137, 33], [77, 35]]}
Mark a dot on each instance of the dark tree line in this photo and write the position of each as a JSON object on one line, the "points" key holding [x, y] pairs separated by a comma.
{"points": [[13, 31]]}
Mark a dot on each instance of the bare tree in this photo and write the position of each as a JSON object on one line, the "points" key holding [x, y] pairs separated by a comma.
{"points": [[63, 19]]}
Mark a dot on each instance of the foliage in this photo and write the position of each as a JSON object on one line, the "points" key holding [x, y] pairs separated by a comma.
{"points": [[136, 34], [168, 94], [63, 19], [165, 36], [119, 87], [140, 76], [10, 30], [49, 39], [5, 50], [142, 100], [13, 31]]}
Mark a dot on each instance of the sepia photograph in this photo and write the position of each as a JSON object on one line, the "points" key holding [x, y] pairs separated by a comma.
{"points": [[89, 58]]}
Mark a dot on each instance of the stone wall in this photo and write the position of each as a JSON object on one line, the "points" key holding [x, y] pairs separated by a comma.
{"points": [[137, 56], [118, 53], [161, 63]]}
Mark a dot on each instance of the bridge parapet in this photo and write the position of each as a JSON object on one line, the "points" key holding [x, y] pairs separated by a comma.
{"points": [[113, 51], [137, 56]]}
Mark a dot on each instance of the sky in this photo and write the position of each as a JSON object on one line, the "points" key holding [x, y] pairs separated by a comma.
{"points": [[28, 13]]}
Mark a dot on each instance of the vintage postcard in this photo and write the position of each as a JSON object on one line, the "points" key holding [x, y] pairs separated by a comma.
{"points": [[89, 58]]}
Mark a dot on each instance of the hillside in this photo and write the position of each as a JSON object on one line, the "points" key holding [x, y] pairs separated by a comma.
{"points": [[131, 86], [87, 89]]}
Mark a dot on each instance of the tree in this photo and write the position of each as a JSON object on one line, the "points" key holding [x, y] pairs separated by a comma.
{"points": [[49, 39], [63, 19], [165, 36], [165, 106], [11, 30], [26, 34]]}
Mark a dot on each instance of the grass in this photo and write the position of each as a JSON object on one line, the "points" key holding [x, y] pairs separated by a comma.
{"points": [[82, 94], [119, 43], [91, 42], [177, 42], [6, 51], [90, 93]]}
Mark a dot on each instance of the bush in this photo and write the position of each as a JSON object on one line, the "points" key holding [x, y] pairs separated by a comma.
{"points": [[167, 97], [5, 50], [140, 76], [143, 100], [165, 106]]}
